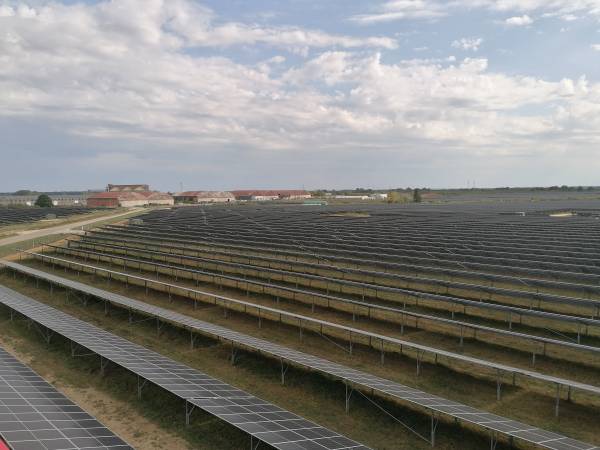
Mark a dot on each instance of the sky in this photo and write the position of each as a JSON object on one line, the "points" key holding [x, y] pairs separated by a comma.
{"points": [[226, 94]]}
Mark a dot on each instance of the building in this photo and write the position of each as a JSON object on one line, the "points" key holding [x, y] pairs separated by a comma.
{"points": [[378, 196], [116, 199], [158, 198], [351, 197], [204, 197], [58, 199], [127, 188], [261, 195]]}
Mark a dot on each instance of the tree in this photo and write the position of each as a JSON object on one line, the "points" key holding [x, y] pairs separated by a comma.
{"points": [[44, 201], [417, 196]]}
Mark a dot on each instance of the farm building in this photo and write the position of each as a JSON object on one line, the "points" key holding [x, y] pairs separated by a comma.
{"points": [[58, 199], [127, 188], [116, 199], [204, 197], [158, 198], [261, 195]]}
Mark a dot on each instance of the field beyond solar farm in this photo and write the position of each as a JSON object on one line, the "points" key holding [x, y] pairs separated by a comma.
{"points": [[457, 326]]}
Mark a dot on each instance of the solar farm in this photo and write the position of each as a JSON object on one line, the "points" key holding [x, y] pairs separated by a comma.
{"points": [[14, 216], [463, 326]]}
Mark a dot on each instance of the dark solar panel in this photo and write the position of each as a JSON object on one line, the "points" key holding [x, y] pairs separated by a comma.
{"points": [[35, 416], [372, 383], [183, 381], [486, 364]]}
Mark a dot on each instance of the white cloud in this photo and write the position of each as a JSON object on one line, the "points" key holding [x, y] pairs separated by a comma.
{"points": [[433, 9], [472, 44], [115, 70], [401, 9], [596, 47], [519, 21], [569, 17], [6, 11]]}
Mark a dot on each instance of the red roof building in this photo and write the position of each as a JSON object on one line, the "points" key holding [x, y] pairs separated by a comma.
{"points": [[116, 199], [204, 197], [158, 198]]}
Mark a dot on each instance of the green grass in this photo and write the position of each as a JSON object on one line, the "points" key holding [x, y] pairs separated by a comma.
{"points": [[11, 249]]}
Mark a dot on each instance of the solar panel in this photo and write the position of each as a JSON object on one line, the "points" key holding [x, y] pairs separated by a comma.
{"points": [[282, 289], [368, 382], [323, 325], [273, 425], [35, 416], [181, 380], [342, 279]]}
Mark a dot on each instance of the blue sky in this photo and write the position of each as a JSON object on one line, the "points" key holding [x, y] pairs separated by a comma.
{"points": [[300, 93]]}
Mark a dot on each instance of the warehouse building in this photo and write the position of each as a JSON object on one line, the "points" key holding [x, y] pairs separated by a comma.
{"points": [[262, 195], [204, 197], [58, 199], [116, 199], [158, 198], [127, 188]]}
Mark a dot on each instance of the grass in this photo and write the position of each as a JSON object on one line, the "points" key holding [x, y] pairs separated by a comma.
{"points": [[536, 409], [12, 249]]}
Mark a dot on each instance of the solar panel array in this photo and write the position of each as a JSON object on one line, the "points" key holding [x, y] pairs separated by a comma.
{"points": [[477, 238], [95, 241], [400, 314], [360, 379], [420, 274], [283, 429], [322, 326], [35, 416], [12, 216]]}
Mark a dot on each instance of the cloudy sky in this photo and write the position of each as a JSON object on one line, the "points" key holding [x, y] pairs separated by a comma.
{"points": [[221, 94]]}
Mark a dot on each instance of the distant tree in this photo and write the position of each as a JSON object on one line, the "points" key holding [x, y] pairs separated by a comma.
{"points": [[44, 201], [417, 196], [24, 192], [580, 188]]}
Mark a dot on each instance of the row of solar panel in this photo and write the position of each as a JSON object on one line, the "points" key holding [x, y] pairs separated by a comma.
{"points": [[326, 247], [35, 416], [11, 216], [420, 274], [468, 265], [527, 290], [264, 421], [361, 380], [441, 357], [289, 239], [565, 322]]}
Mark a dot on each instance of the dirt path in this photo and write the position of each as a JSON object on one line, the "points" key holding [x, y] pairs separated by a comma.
{"points": [[59, 229]]}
